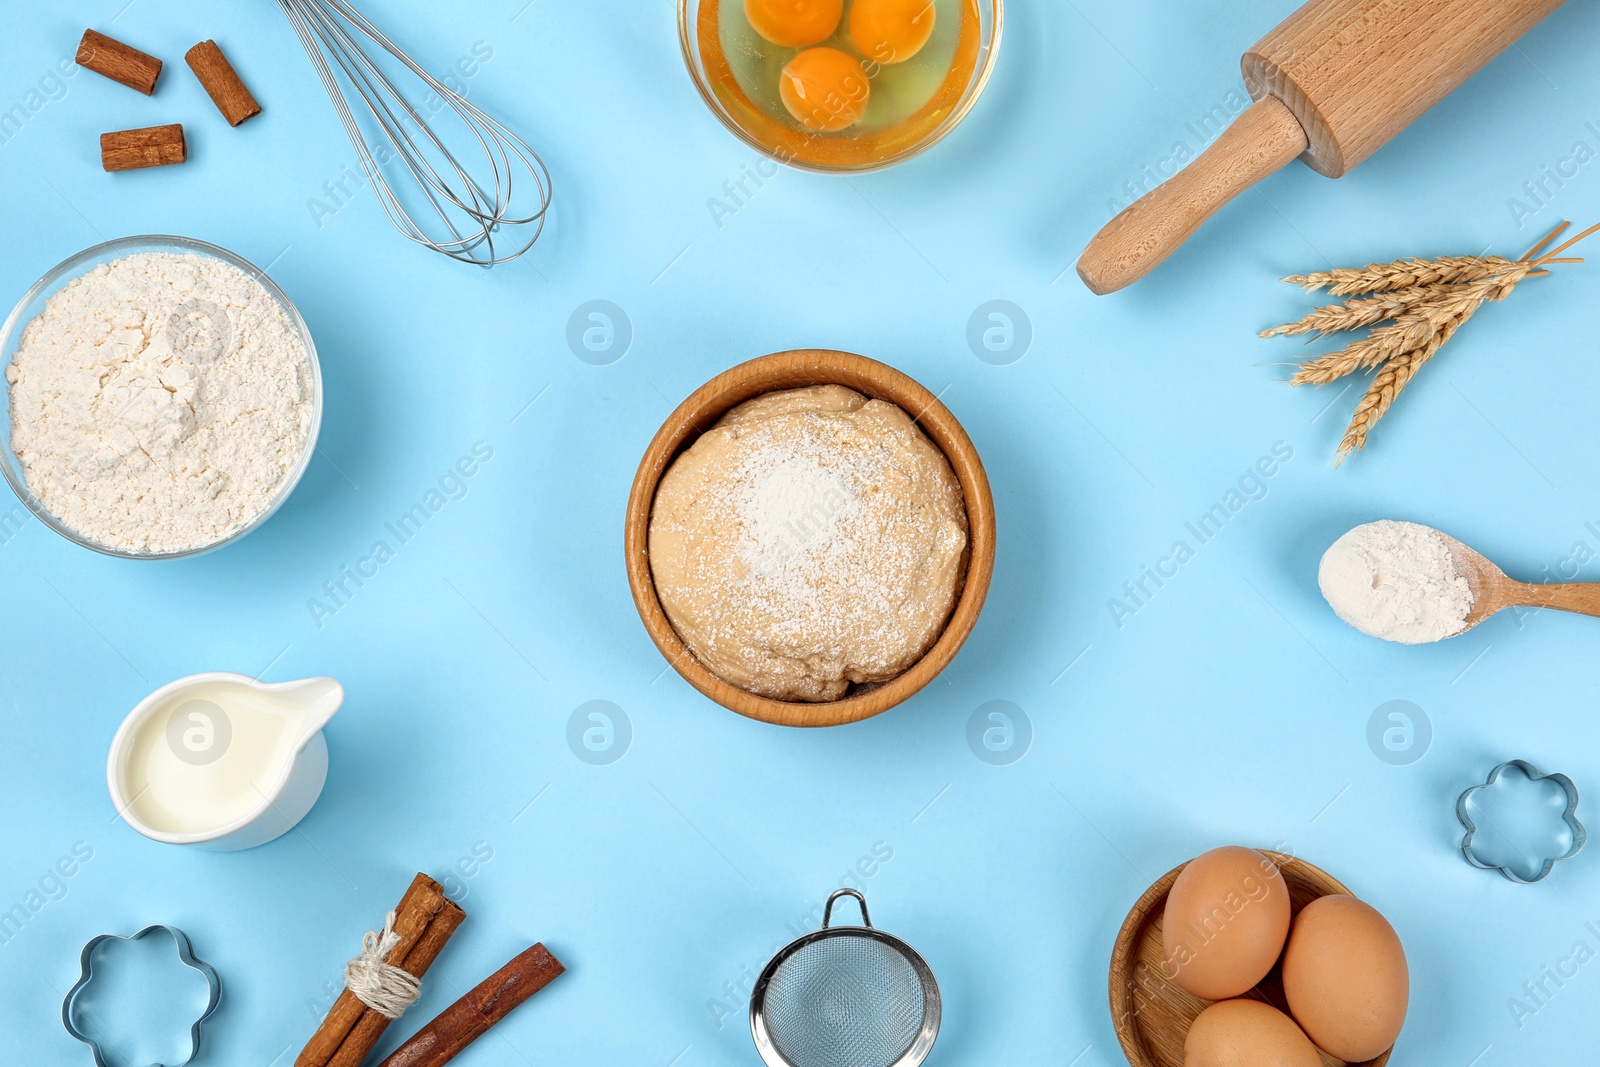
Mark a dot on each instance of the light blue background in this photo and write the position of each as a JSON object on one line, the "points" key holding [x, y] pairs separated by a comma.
{"points": [[1231, 708]]}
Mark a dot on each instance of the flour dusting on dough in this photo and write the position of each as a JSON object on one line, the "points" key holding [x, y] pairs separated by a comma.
{"points": [[810, 540]]}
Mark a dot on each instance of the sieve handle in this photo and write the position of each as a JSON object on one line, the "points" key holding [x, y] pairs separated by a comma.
{"points": [[827, 912]]}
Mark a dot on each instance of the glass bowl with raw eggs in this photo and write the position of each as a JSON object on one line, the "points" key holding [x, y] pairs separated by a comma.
{"points": [[840, 85]]}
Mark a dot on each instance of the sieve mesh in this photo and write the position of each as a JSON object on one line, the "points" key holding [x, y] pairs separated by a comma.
{"points": [[844, 1001]]}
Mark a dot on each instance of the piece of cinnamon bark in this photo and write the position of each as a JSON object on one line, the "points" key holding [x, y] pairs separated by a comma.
{"points": [[222, 83], [153, 146], [120, 62], [470, 1018]]}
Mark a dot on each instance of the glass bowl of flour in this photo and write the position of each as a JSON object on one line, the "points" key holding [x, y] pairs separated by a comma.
{"points": [[163, 398]]}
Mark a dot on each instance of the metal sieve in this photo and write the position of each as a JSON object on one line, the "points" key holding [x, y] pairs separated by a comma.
{"points": [[845, 996]]}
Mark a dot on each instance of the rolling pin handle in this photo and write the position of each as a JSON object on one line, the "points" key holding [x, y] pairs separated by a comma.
{"points": [[1266, 138]]}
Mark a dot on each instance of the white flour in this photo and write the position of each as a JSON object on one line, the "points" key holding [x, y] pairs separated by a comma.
{"points": [[1397, 581], [159, 402], [791, 505]]}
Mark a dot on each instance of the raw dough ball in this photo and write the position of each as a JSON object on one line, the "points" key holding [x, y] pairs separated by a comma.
{"points": [[811, 539]]}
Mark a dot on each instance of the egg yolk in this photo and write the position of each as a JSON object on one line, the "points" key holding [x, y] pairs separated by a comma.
{"points": [[825, 89], [794, 23], [891, 31]]}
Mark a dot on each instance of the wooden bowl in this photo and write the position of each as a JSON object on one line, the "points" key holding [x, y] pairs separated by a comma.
{"points": [[1150, 1012], [793, 370]]}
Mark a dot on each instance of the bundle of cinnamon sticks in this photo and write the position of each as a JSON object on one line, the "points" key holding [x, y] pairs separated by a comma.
{"points": [[424, 920]]}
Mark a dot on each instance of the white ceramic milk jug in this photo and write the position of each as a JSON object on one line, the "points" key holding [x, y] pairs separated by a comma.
{"points": [[222, 761]]}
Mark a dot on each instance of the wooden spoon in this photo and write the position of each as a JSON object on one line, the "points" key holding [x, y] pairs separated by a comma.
{"points": [[1493, 592]]}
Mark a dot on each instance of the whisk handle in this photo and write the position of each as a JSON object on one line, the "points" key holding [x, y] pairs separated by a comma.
{"points": [[827, 911]]}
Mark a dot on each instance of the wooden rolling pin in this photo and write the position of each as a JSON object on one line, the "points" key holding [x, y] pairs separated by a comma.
{"points": [[1332, 85]]}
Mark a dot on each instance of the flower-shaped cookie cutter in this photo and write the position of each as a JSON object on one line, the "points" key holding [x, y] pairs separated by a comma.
{"points": [[1580, 836], [186, 956]]}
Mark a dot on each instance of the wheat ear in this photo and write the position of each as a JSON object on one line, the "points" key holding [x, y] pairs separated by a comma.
{"points": [[1358, 313], [1414, 328], [1394, 377], [1401, 274]]}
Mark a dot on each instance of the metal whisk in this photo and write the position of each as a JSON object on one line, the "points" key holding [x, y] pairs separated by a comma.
{"points": [[461, 213]]}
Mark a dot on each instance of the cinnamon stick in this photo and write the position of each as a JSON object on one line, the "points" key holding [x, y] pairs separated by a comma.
{"points": [[222, 83], [424, 921], [470, 1018], [120, 62], [153, 146]]}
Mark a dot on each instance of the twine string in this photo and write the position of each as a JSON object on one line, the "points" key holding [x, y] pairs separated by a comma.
{"points": [[381, 986]]}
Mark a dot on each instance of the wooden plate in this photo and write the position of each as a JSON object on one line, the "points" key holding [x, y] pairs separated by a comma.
{"points": [[1150, 1013], [793, 370]]}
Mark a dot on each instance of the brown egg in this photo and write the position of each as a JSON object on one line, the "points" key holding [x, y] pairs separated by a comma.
{"points": [[1247, 1033], [1225, 922], [1345, 975]]}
